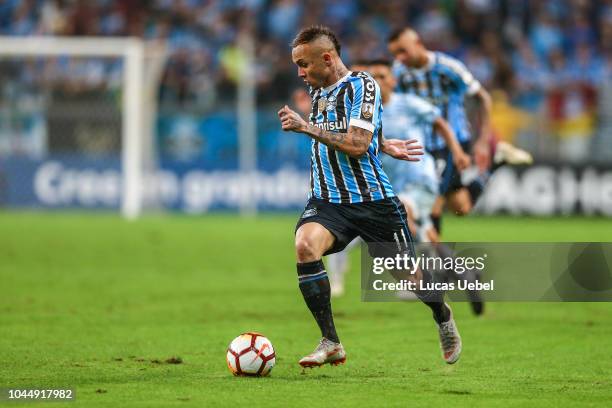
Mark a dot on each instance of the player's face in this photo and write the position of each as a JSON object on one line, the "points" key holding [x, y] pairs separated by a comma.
{"points": [[383, 75], [313, 66], [407, 49]]}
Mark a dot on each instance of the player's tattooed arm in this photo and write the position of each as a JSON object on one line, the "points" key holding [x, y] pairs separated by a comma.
{"points": [[354, 143]]}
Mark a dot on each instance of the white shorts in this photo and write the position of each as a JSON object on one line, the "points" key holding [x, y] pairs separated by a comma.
{"points": [[420, 199]]}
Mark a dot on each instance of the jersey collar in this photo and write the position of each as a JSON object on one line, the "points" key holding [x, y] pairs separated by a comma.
{"points": [[331, 87], [431, 59]]}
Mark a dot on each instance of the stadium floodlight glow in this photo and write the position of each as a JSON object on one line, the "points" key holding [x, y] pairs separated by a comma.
{"points": [[140, 83]]}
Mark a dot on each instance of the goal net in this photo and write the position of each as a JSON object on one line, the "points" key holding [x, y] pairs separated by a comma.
{"points": [[77, 121]]}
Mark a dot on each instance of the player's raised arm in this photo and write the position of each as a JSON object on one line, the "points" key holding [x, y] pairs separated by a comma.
{"points": [[481, 146], [464, 80], [460, 158], [354, 142]]}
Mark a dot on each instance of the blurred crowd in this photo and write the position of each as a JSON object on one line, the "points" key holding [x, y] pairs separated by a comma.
{"points": [[547, 54], [523, 46]]}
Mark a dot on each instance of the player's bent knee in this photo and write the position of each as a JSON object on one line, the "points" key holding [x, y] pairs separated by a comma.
{"points": [[311, 242], [460, 202], [463, 210], [306, 250]]}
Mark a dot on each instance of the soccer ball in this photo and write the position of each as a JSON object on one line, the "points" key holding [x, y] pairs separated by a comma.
{"points": [[250, 354]]}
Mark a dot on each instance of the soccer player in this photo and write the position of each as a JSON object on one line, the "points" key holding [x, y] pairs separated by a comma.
{"points": [[445, 82], [350, 193], [407, 116]]}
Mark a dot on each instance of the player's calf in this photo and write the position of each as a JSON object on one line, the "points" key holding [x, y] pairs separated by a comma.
{"points": [[314, 285]]}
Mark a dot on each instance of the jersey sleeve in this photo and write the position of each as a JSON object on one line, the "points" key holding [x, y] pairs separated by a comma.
{"points": [[366, 105], [462, 77], [422, 109]]}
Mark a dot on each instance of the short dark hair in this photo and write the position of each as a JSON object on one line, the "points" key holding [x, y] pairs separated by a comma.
{"points": [[309, 34], [396, 33], [380, 61]]}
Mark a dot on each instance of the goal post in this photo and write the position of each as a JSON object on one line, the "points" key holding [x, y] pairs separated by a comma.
{"points": [[143, 64]]}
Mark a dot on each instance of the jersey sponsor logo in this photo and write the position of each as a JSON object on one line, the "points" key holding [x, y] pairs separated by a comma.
{"points": [[338, 125], [367, 110], [311, 212]]}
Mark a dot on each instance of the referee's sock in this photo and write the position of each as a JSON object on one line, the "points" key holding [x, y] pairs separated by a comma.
{"points": [[315, 288]]}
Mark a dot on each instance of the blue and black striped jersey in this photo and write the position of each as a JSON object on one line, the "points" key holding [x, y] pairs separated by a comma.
{"points": [[335, 176], [444, 82]]}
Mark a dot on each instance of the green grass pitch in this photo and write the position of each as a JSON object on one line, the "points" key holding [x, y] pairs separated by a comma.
{"points": [[98, 304]]}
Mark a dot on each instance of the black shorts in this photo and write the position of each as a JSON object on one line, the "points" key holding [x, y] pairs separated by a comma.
{"points": [[450, 178], [381, 222]]}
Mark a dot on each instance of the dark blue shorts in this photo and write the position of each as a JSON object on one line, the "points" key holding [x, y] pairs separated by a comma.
{"points": [[381, 222], [450, 178]]}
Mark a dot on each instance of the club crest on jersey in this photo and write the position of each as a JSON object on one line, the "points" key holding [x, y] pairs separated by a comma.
{"points": [[367, 110], [322, 104], [331, 103]]}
